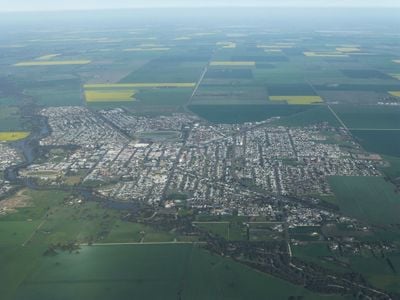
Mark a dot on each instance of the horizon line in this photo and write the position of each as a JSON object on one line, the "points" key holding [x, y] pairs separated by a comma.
{"points": [[328, 6]]}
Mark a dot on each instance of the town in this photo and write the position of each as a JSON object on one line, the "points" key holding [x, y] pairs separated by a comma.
{"points": [[253, 169]]}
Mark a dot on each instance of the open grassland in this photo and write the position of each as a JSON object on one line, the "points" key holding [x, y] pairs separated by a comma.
{"points": [[325, 54], [48, 56], [385, 142], [155, 270], [316, 115], [109, 95], [393, 169], [141, 85], [13, 136], [370, 199], [232, 63], [52, 63], [150, 272], [10, 119], [301, 100], [377, 270], [369, 116], [395, 93], [231, 114]]}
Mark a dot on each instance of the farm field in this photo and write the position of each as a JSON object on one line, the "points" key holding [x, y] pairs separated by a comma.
{"points": [[378, 271], [13, 136], [245, 113], [52, 63], [385, 142], [159, 271], [371, 199], [10, 119], [299, 100], [109, 95], [368, 116], [395, 93], [315, 115], [232, 63], [140, 275], [140, 85]]}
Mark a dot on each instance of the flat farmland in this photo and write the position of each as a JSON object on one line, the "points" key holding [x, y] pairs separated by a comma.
{"points": [[62, 92], [10, 119], [109, 95], [371, 199], [230, 94], [13, 135], [232, 64], [150, 272], [314, 114], [141, 85], [300, 100], [385, 142], [369, 116], [175, 69], [52, 63], [245, 113]]}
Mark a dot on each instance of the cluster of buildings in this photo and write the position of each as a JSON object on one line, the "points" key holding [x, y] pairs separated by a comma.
{"points": [[8, 156], [251, 169]]}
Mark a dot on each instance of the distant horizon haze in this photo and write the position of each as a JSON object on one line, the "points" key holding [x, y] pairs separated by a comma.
{"points": [[50, 5]]}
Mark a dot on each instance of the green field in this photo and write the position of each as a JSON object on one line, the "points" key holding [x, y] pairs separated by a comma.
{"points": [[245, 113], [10, 119], [318, 114], [55, 92], [150, 272], [318, 253], [144, 271], [369, 116], [385, 142], [377, 270], [370, 199]]}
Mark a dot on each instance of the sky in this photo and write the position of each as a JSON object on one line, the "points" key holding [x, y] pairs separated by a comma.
{"points": [[49, 5]]}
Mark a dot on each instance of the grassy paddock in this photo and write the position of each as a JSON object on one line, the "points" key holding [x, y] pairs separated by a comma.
{"points": [[370, 199]]}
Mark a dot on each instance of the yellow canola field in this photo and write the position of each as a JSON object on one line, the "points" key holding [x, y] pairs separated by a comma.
{"points": [[109, 96], [395, 93], [324, 54], [141, 85], [233, 63], [303, 100], [10, 136], [52, 63]]}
